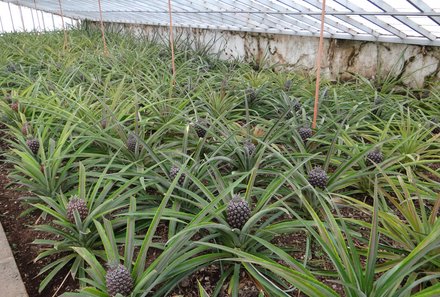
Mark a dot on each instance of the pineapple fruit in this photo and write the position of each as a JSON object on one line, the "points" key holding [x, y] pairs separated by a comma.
{"points": [[436, 129], [173, 173], [249, 147], [251, 95], [238, 212], [131, 143], [15, 106], [33, 144], [318, 178], [118, 281], [374, 156], [201, 125], [305, 133], [78, 204], [26, 128]]}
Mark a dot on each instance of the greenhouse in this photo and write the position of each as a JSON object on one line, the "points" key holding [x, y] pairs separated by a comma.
{"points": [[241, 148]]}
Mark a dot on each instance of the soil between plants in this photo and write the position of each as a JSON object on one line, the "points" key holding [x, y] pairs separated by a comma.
{"points": [[20, 235]]}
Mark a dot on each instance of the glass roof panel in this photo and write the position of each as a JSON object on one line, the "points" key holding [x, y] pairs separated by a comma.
{"points": [[402, 21]]}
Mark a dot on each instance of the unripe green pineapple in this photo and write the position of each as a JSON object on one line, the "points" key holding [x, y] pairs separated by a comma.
{"points": [[118, 281], [318, 178], [77, 204], [374, 156], [305, 133], [238, 212], [33, 144]]}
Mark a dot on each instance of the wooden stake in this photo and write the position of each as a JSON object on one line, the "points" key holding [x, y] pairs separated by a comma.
{"points": [[318, 66], [172, 42]]}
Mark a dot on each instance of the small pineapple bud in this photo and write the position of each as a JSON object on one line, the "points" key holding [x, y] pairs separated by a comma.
{"points": [[173, 173], [436, 129], [15, 106], [374, 156], [25, 129], [33, 144], [251, 95], [238, 212], [434, 166], [201, 126], [305, 133], [77, 204], [296, 105], [287, 85], [103, 123], [318, 178], [131, 143], [8, 98], [249, 147], [118, 281]]}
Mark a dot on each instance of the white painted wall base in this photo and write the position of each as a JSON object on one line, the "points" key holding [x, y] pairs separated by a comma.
{"points": [[416, 65]]}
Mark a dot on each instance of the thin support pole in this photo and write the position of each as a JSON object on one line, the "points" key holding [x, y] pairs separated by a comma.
{"points": [[12, 19], [22, 19], [38, 18], [64, 27], [318, 66], [102, 29], [173, 66], [44, 22], [1, 25], [33, 20]]}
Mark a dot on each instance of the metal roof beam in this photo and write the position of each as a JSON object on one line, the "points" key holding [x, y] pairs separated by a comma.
{"points": [[405, 20], [353, 7], [331, 11], [301, 22], [332, 23], [423, 7]]}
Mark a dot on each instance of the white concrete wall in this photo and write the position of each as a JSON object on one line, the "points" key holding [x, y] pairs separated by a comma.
{"points": [[416, 65]]}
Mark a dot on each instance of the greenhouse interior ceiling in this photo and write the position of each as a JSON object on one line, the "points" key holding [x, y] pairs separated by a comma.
{"points": [[401, 21]]}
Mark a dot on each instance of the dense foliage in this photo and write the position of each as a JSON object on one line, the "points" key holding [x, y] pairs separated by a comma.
{"points": [[125, 162]]}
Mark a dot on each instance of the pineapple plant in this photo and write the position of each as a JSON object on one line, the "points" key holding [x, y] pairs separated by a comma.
{"points": [[238, 212], [118, 280], [33, 144], [305, 133], [249, 147], [173, 173], [201, 125], [318, 178], [78, 204], [374, 156]]}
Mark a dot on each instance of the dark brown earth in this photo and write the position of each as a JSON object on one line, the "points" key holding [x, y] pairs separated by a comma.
{"points": [[21, 235]]}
